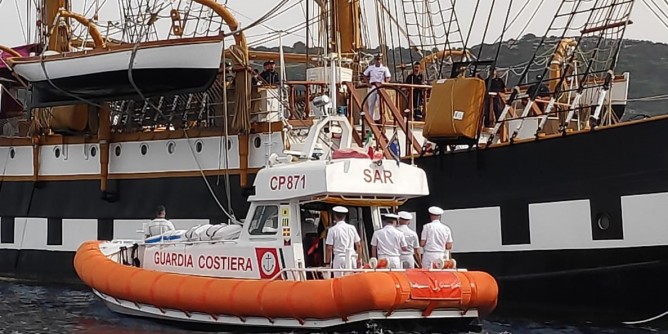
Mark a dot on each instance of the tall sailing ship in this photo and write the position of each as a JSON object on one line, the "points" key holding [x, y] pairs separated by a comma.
{"points": [[544, 187]]}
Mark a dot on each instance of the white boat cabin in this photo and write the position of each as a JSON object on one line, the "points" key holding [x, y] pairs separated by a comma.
{"points": [[283, 233]]}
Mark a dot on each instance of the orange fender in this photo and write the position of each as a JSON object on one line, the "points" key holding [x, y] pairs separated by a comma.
{"points": [[317, 299]]}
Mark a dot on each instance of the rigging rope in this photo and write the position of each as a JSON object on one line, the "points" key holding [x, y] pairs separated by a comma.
{"points": [[645, 320], [158, 109], [18, 12]]}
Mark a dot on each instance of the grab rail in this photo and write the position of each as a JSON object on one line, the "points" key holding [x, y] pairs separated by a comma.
{"points": [[280, 274]]}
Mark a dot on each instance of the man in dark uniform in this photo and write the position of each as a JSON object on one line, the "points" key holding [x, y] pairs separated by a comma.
{"points": [[416, 78], [269, 75], [496, 85], [541, 90]]}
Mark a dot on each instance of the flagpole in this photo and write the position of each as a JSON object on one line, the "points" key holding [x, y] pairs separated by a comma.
{"points": [[408, 131], [282, 79], [412, 155]]}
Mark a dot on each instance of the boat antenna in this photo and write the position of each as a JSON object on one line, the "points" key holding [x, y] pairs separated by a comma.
{"points": [[283, 77], [332, 82], [281, 97]]}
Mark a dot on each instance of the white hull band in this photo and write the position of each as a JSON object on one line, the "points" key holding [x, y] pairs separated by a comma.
{"points": [[144, 310]]}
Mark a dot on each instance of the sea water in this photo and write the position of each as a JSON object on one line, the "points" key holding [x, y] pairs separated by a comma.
{"points": [[33, 308]]}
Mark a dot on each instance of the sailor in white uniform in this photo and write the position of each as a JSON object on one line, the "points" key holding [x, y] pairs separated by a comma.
{"points": [[159, 224], [342, 243], [436, 238], [412, 241], [389, 242]]}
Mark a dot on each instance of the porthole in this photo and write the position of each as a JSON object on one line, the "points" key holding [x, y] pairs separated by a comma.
{"points": [[56, 152], [143, 149], [117, 150], [170, 147], [12, 153], [199, 146], [603, 221], [257, 142], [93, 151]]}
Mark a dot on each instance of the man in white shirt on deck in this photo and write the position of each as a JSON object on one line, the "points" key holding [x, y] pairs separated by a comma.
{"points": [[376, 75], [436, 238], [342, 243], [159, 224], [389, 242], [412, 241]]}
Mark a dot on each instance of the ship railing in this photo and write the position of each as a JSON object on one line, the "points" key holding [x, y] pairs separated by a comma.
{"points": [[188, 242], [395, 109], [557, 111], [300, 274]]}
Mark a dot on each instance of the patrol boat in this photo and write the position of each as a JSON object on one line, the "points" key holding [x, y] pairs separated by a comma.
{"points": [[264, 272]]}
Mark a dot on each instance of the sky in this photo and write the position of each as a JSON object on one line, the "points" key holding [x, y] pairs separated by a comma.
{"points": [[645, 27]]}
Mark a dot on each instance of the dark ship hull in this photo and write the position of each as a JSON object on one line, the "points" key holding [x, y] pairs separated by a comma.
{"points": [[32, 248], [570, 220]]}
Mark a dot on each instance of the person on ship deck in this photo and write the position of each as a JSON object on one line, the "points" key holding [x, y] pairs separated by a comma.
{"points": [[375, 75], [412, 241], [496, 85], [541, 90], [436, 238], [342, 244], [416, 78], [158, 225], [388, 242], [269, 75]]}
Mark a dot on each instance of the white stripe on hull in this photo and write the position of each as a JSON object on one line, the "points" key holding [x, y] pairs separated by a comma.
{"points": [[31, 233], [158, 158], [161, 156], [20, 164], [561, 225], [553, 226]]}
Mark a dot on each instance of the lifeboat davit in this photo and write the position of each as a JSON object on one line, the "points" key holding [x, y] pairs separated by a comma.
{"points": [[371, 295]]}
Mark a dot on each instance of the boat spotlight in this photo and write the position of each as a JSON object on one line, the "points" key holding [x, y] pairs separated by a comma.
{"points": [[321, 101]]}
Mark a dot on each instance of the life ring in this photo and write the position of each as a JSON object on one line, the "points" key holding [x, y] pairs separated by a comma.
{"points": [[373, 263]]}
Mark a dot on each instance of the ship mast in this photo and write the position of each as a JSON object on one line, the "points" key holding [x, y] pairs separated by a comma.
{"points": [[51, 31], [343, 19]]}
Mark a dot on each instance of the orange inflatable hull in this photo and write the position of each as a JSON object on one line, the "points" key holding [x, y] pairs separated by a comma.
{"points": [[314, 299]]}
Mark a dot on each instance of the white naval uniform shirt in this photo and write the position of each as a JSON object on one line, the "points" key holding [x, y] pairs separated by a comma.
{"points": [[388, 241], [157, 226], [342, 237], [436, 234], [377, 73], [412, 241]]}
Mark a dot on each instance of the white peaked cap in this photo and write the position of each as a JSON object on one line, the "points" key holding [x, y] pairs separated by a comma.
{"points": [[340, 209], [434, 210], [405, 215], [391, 216]]}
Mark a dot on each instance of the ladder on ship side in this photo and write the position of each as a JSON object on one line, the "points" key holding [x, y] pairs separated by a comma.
{"points": [[433, 32], [397, 122]]}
